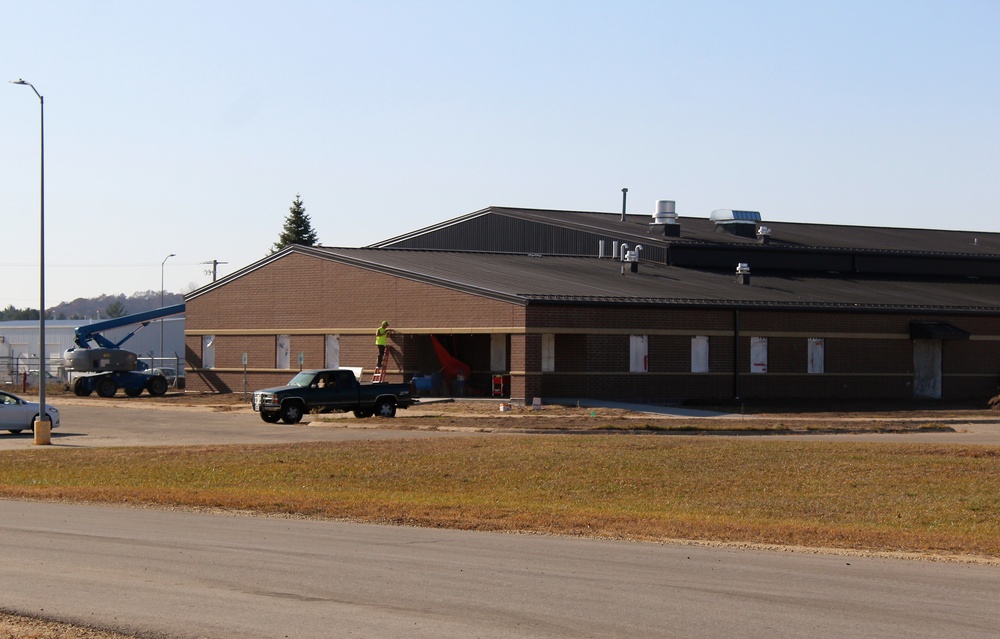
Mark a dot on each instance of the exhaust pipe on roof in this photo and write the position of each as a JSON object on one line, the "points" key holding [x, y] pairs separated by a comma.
{"points": [[624, 195]]}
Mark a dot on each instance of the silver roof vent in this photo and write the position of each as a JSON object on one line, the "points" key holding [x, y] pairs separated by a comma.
{"points": [[664, 220], [665, 213]]}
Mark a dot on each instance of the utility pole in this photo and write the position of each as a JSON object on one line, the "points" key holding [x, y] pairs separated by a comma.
{"points": [[215, 268]]}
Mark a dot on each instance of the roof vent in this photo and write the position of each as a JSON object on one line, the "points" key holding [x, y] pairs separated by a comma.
{"points": [[665, 213], [665, 219], [763, 235], [632, 257], [742, 223], [743, 273]]}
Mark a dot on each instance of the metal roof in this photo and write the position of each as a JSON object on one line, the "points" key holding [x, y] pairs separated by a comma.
{"points": [[636, 228], [561, 279], [529, 256]]}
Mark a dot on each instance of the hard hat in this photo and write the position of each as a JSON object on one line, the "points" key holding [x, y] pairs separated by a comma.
{"points": [[385, 323]]}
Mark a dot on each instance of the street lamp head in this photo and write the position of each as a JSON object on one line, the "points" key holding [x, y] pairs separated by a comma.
{"points": [[27, 84]]}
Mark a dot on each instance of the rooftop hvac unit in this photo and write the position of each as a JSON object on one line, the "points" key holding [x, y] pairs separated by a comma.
{"points": [[730, 215], [742, 223]]}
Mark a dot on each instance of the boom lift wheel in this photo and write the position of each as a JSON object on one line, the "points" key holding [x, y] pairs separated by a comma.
{"points": [[106, 387], [82, 387]]}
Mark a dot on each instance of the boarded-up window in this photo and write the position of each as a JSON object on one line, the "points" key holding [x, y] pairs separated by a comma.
{"points": [[927, 368], [816, 347], [638, 353], [498, 353], [548, 352], [208, 351], [283, 351], [332, 357], [758, 354], [699, 354]]}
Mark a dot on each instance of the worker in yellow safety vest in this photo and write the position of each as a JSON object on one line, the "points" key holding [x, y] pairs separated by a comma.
{"points": [[382, 334]]}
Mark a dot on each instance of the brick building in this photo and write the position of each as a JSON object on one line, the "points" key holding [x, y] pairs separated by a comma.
{"points": [[562, 304]]}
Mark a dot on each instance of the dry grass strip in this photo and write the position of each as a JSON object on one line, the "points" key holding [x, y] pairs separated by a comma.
{"points": [[863, 496]]}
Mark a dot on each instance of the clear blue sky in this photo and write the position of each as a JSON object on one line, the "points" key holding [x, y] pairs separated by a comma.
{"points": [[188, 127]]}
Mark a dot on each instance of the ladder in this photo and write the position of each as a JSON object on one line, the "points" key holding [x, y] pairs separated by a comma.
{"points": [[379, 375]]}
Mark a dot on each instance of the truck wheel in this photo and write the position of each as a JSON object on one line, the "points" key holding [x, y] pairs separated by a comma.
{"points": [[362, 414], [157, 386], [270, 418], [133, 392], [82, 387], [385, 408], [106, 387], [291, 412]]}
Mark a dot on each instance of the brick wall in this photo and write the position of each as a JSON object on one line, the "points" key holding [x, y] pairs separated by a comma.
{"points": [[867, 355], [307, 298]]}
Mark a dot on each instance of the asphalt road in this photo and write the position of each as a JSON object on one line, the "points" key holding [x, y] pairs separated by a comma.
{"points": [[99, 424], [181, 574]]}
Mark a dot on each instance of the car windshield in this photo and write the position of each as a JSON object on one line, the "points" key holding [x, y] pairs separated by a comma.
{"points": [[302, 379]]}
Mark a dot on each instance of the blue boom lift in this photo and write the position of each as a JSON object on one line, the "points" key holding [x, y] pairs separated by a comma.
{"points": [[107, 366]]}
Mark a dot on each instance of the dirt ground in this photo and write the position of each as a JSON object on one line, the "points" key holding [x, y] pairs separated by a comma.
{"points": [[479, 415]]}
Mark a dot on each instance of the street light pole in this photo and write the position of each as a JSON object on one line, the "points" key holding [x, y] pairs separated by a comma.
{"points": [[161, 301], [42, 436]]}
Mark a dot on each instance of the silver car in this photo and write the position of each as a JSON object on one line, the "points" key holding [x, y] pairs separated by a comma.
{"points": [[170, 374], [17, 414]]}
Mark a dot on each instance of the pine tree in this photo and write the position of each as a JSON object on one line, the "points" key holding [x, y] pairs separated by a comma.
{"points": [[115, 309], [298, 228]]}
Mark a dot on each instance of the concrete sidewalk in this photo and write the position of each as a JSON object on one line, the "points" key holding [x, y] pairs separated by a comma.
{"points": [[671, 411], [977, 432]]}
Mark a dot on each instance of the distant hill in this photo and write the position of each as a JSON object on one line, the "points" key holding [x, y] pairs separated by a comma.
{"points": [[104, 306]]}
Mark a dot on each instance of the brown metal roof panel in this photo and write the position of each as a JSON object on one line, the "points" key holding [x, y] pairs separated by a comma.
{"points": [[703, 230], [527, 277]]}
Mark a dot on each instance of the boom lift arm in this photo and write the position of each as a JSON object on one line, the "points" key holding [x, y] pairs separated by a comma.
{"points": [[92, 332]]}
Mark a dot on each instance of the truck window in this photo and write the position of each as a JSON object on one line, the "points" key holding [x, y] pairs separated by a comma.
{"points": [[302, 380]]}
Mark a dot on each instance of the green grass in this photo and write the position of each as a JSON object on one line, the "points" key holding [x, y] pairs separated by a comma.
{"points": [[882, 497]]}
